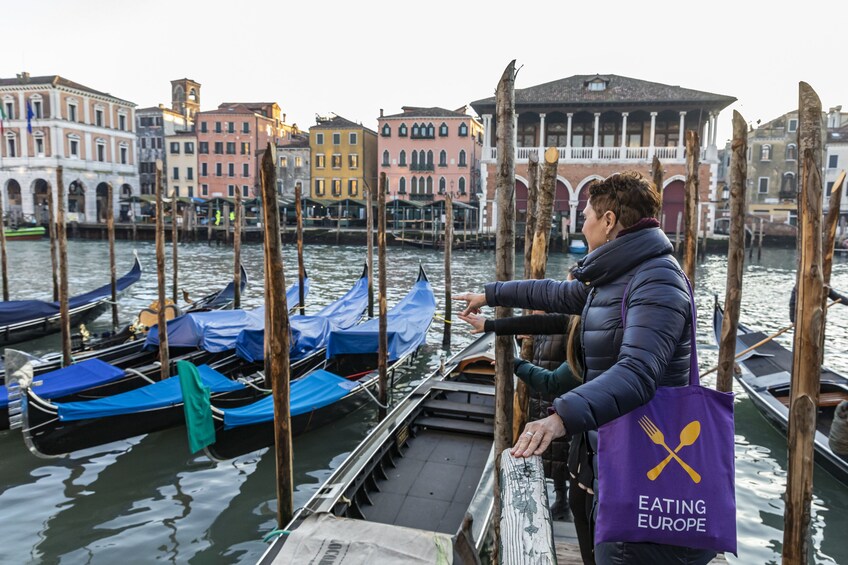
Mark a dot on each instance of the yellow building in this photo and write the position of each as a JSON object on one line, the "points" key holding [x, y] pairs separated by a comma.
{"points": [[344, 159]]}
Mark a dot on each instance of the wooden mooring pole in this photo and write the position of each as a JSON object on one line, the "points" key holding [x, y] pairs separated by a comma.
{"points": [[807, 342], [446, 337], [369, 234], [62, 238], [383, 341], [237, 250], [504, 264], [735, 254], [51, 231], [521, 398], [301, 269], [277, 336], [677, 233], [209, 219], [690, 208], [164, 362], [113, 277], [3, 259], [174, 253], [657, 178]]}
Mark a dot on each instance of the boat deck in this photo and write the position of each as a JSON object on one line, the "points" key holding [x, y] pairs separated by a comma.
{"points": [[432, 484]]}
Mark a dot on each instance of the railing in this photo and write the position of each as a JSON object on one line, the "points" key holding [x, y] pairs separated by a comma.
{"points": [[597, 153]]}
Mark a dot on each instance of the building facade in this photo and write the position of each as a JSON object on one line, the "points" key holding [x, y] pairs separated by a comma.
{"points": [[230, 143], [51, 122], [293, 165], [344, 158], [429, 152], [181, 171], [602, 125], [153, 125], [773, 162]]}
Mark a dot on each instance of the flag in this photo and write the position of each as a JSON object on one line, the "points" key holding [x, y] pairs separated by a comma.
{"points": [[29, 117], [2, 119]]}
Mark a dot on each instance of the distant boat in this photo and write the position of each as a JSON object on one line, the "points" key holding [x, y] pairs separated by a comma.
{"points": [[577, 247], [25, 234]]}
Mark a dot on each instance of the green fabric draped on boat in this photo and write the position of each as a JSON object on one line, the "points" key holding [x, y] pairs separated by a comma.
{"points": [[196, 406]]}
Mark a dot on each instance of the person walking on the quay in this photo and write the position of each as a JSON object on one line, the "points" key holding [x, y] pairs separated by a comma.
{"points": [[625, 362]]}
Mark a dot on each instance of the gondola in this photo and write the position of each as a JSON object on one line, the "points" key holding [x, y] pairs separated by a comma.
{"points": [[419, 486], [123, 348], [56, 428], [766, 377], [95, 378], [22, 320], [346, 381]]}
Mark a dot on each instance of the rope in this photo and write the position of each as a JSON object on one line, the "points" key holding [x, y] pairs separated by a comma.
{"points": [[440, 319], [377, 402], [275, 534]]}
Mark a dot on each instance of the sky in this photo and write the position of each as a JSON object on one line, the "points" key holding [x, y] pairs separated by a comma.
{"points": [[354, 58]]}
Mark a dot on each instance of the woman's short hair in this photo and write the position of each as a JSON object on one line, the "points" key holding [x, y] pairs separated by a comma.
{"points": [[629, 195]]}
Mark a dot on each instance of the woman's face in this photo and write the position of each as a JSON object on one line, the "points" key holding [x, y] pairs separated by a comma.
{"points": [[595, 229]]}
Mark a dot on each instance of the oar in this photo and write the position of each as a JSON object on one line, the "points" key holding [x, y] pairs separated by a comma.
{"points": [[763, 341]]}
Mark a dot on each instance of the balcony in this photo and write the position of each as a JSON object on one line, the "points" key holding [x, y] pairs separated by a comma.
{"points": [[587, 154], [422, 167], [421, 197]]}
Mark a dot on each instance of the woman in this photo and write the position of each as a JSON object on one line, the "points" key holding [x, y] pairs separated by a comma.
{"points": [[548, 376], [623, 364]]}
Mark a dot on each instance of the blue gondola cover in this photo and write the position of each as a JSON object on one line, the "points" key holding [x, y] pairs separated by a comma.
{"points": [[17, 311], [316, 390], [157, 395], [309, 333], [69, 380], [215, 331], [407, 327]]}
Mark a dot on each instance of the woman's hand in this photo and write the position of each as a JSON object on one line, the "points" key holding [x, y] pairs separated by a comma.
{"points": [[537, 436], [474, 301], [477, 322]]}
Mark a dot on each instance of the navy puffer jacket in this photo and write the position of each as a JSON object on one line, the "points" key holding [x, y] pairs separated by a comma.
{"points": [[624, 365]]}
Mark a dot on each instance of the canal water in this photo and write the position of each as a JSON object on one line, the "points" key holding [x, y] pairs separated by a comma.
{"points": [[149, 499]]}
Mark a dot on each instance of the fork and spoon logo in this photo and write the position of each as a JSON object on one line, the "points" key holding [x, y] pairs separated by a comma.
{"points": [[688, 436]]}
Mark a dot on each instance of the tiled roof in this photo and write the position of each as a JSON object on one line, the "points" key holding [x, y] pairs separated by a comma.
{"points": [[434, 112], [619, 91], [338, 122], [56, 80]]}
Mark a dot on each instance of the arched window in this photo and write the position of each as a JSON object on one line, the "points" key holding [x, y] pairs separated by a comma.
{"points": [[402, 158], [414, 162], [402, 185], [431, 131], [387, 130], [402, 130], [463, 130], [386, 158], [443, 130], [442, 185], [414, 185], [415, 130], [429, 185], [765, 153], [443, 158], [430, 160], [462, 185], [787, 186], [462, 162], [791, 152]]}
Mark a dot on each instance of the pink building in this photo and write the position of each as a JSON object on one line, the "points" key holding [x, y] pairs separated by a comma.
{"points": [[429, 152]]}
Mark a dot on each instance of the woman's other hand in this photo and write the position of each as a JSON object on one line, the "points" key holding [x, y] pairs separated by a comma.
{"points": [[537, 436], [473, 300], [477, 322]]}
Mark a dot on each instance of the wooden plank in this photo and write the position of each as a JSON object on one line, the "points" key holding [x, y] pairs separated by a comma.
{"points": [[451, 386], [525, 521], [463, 408], [455, 425]]}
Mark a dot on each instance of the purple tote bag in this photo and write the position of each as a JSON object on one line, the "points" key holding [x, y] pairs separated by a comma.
{"points": [[666, 470]]}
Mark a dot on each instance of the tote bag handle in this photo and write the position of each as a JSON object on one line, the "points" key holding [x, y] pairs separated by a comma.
{"points": [[694, 373]]}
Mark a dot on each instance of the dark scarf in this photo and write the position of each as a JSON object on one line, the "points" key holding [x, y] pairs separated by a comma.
{"points": [[642, 224]]}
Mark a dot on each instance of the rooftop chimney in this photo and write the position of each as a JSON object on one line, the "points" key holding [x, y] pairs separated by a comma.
{"points": [[24, 76], [381, 112]]}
